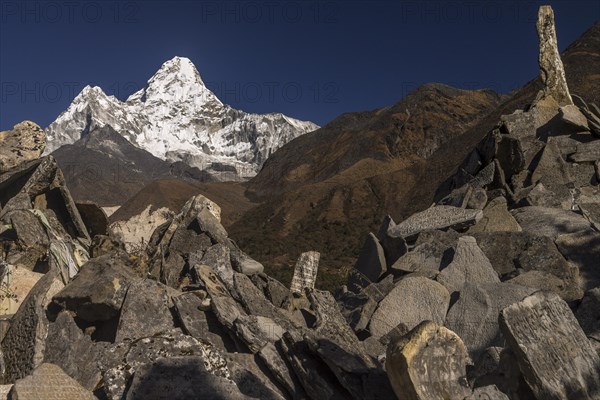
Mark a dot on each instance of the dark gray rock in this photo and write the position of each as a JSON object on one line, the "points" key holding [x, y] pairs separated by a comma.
{"points": [[252, 379], [317, 380], [340, 352], [25, 342], [428, 363], [468, 265], [588, 316], [146, 351], [496, 218], [552, 351], [193, 311], [41, 183], [553, 172], [371, 264], [83, 355], [145, 311], [94, 218], [510, 156], [426, 256], [474, 316], [518, 124], [171, 379], [242, 262], [549, 221], [583, 249], [586, 152], [394, 247], [98, 291], [413, 300], [525, 256], [217, 257], [487, 393]]}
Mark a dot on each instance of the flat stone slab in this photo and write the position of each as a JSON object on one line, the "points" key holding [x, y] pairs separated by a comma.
{"points": [[469, 265], [549, 222], [412, 301], [474, 317], [587, 152], [48, 381], [437, 217], [553, 353]]}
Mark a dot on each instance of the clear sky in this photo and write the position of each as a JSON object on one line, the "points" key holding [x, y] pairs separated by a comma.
{"points": [[312, 60]]}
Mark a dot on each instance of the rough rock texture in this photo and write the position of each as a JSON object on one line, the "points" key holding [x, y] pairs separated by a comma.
{"points": [[470, 265], [553, 353], [48, 381], [150, 299], [496, 218], [25, 142], [429, 363], [24, 344], [474, 316], [551, 66], [438, 217], [588, 316], [413, 300], [583, 249], [549, 222], [98, 291], [371, 264], [305, 272], [180, 378]]}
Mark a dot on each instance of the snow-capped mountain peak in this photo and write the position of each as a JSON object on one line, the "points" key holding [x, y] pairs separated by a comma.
{"points": [[176, 117], [177, 80]]}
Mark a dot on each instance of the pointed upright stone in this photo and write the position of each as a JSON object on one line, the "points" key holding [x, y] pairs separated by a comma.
{"points": [[305, 272], [551, 66]]}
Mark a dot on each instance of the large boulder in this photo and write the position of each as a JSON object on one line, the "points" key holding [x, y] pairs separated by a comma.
{"points": [[414, 299], [98, 291], [25, 142], [171, 378], [25, 342], [588, 316], [553, 353], [474, 316], [145, 311], [371, 264], [429, 363], [583, 249], [496, 218], [40, 184], [468, 265], [549, 222]]}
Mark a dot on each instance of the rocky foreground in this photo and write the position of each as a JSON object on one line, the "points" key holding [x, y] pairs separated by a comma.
{"points": [[494, 293]]}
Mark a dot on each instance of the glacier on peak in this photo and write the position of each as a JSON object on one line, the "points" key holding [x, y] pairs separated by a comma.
{"points": [[177, 118]]}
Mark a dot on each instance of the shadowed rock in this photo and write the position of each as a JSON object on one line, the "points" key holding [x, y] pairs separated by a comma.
{"points": [[553, 353]]}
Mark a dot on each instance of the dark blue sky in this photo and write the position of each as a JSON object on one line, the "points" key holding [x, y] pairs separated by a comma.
{"points": [[309, 59]]}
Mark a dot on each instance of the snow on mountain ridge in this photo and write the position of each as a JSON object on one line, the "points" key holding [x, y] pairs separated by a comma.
{"points": [[176, 117]]}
